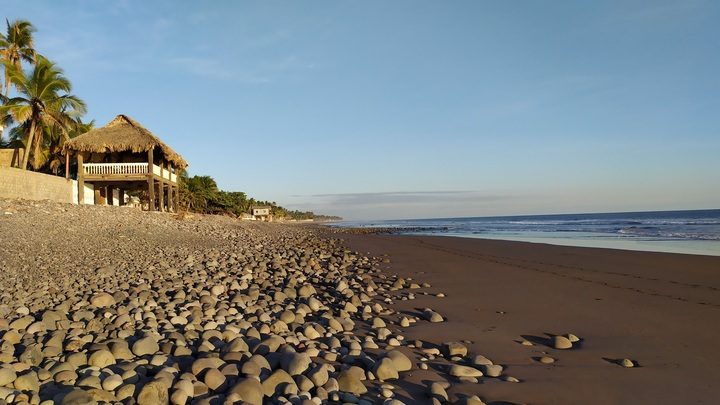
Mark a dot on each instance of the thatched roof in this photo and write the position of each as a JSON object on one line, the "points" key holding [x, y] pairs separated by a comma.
{"points": [[122, 134]]}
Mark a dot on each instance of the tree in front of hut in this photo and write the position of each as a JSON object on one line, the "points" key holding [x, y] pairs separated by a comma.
{"points": [[43, 101]]}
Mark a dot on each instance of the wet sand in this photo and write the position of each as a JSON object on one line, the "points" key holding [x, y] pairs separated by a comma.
{"points": [[659, 309]]}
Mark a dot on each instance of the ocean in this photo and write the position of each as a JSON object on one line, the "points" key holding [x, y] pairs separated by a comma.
{"points": [[692, 232]]}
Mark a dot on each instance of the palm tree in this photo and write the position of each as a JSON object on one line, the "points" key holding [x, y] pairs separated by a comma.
{"points": [[16, 46], [43, 101], [52, 156]]}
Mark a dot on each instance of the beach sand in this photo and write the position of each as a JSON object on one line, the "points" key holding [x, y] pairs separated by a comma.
{"points": [[661, 310]]}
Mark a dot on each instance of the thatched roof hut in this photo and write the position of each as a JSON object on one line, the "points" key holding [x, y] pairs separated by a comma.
{"points": [[123, 134]]}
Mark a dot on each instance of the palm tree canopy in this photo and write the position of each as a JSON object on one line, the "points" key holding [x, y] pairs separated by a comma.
{"points": [[43, 101], [16, 45]]}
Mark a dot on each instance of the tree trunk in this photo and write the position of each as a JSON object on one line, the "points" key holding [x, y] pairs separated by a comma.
{"points": [[28, 146], [7, 85]]}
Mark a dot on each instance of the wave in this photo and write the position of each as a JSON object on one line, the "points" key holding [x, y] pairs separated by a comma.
{"points": [[690, 225]]}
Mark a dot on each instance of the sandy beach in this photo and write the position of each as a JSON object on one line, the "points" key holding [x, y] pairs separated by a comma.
{"points": [[115, 305], [659, 309]]}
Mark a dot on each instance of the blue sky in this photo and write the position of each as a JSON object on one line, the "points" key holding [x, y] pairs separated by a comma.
{"points": [[410, 109]]}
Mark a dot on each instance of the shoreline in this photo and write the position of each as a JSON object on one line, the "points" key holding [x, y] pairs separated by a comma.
{"points": [[689, 247], [659, 309], [685, 247]]}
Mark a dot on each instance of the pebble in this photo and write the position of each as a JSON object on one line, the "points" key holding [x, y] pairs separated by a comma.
{"points": [[561, 342], [627, 363], [492, 370], [457, 370], [546, 360], [454, 349]]}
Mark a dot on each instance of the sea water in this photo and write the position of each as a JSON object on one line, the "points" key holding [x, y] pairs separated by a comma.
{"points": [[692, 232]]}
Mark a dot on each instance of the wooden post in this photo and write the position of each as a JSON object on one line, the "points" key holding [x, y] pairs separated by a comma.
{"points": [[81, 179], [169, 187], [162, 192], [109, 195], [170, 196], [151, 182], [121, 197], [67, 165]]}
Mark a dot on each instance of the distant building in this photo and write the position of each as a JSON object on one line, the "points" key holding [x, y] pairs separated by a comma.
{"points": [[247, 217], [261, 212]]}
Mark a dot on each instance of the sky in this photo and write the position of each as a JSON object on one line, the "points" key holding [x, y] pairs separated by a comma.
{"points": [[412, 109]]}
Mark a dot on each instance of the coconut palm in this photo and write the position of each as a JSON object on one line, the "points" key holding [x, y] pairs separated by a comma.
{"points": [[52, 158], [43, 101], [16, 46]]}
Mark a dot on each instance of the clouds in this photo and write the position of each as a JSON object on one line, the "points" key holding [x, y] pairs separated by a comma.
{"points": [[406, 204]]}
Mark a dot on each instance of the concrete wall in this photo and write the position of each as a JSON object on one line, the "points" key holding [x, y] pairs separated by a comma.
{"points": [[16, 183], [11, 157]]}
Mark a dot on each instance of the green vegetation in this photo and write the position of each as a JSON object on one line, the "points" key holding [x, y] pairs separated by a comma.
{"points": [[42, 109], [201, 194]]}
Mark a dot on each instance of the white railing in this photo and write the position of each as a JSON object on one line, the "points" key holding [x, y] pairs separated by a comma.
{"points": [[102, 169], [115, 168], [164, 173]]}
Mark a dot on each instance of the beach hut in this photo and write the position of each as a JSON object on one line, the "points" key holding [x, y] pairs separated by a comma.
{"points": [[261, 212], [124, 156]]}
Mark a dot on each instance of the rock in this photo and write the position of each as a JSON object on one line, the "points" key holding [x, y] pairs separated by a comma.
{"points": [[480, 360], [214, 379], [627, 363], [454, 349], [400, 360], [112, 382], [202, 364], [78, 397], [572, 338], [102, 300], [561, 342], [145, 346], [248, 390], [457, 370], [471, 400], [153, 393], [438, 392], [101, 358], [7, 376], [66, 376], [385, 370], [348, 382], [295, 363], [432, 316], [546, 360], [492, 370], [318, 375], [276, 382], [27, 382]]}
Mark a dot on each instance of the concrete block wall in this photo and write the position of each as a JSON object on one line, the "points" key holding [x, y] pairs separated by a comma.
{"points": [[28, 185], [11, 157]]}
